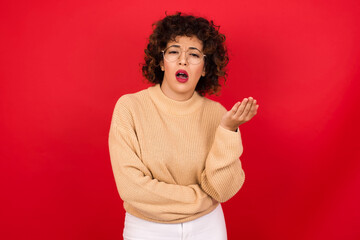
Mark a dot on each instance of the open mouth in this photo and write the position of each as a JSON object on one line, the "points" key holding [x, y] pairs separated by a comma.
{"points": [[182, 75]]}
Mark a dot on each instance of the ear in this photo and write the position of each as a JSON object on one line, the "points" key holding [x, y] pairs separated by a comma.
{"points": [[162, 66], [203, 73]]}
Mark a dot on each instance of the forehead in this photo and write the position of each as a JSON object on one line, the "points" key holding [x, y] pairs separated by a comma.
{"points": [[187, 42]]}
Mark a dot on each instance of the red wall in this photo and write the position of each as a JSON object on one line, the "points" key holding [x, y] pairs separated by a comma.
{"points": [[65, 63]]}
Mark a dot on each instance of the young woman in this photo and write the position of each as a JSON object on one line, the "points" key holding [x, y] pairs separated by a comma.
{"points": [[174, 153]]}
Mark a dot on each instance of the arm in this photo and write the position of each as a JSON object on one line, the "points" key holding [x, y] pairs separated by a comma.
{"points": [[154, 199], [223, 175]]}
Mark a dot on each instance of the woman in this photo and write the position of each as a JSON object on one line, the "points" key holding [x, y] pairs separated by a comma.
{"points": [[174, 153]]}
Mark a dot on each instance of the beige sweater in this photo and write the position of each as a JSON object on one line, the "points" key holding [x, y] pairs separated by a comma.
{"points": [[172, 162]]}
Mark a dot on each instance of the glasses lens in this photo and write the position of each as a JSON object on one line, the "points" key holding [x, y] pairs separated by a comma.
{"points": [[193, 56], [172, 54]]}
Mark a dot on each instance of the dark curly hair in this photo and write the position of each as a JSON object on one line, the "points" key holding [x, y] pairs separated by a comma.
{"points": [[206, 31]]}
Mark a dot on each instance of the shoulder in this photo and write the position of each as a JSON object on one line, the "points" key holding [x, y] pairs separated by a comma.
{"points": [[127, 104], [133, 97], [214, 106], [132, 100], [212, 114]]}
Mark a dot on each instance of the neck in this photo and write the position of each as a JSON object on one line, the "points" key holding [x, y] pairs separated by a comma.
{"points": [[176, 95], [172, 106]]}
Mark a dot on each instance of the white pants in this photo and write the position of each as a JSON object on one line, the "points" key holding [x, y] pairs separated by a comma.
{"points": [[208, 227]]}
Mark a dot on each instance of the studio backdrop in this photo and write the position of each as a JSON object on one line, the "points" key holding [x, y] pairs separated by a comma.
{"points": [[64, 64]]}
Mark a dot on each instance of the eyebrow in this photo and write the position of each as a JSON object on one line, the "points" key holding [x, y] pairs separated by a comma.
{"points": [[178, 46]]}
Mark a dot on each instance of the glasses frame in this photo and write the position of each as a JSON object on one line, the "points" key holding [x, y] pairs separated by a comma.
{"points": [[181, 51]]}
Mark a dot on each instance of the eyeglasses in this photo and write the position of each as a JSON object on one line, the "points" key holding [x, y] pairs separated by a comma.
{"points": [[192, 55]]}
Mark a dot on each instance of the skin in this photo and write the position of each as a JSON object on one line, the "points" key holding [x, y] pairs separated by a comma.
{"points": [[239, 114], [170, 86]]}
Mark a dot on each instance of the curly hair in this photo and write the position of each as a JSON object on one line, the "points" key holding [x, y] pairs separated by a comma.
{"points": [[206, 31]]}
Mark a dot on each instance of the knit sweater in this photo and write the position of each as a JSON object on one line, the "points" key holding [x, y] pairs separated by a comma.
{"points": [[171, 160]]}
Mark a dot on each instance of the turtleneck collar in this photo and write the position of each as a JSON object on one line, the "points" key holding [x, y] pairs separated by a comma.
{"points": [[174, 107]]}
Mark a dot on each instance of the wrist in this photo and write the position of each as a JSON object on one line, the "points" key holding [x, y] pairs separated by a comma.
{"points": [[234, 129]]}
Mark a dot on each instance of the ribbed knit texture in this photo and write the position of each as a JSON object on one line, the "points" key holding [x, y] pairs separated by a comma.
{"points": [[172, 162]]}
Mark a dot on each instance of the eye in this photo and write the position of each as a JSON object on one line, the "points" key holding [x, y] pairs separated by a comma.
{"points": [[173, 52], [195, 55]]}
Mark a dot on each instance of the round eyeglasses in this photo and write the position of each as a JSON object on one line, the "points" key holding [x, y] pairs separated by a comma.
{"points": [[173, 53]]}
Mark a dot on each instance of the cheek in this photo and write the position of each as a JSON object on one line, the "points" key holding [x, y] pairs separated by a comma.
{"points": [[198, 70], [168, 67]]}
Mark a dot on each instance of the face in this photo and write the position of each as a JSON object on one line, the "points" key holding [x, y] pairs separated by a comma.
{"points": [[180, 76]]}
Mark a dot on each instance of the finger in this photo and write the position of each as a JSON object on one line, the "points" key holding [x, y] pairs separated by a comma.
{"points": [[253, 106], [253, 110], [235, 107], [247, 108], [241, 108]]}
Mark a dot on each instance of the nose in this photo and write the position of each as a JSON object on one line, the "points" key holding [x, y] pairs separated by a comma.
{"points": [[182, 58]]}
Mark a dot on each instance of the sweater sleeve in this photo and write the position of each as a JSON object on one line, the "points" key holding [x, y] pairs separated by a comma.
{"points": [[154, 199], [223, 175]]}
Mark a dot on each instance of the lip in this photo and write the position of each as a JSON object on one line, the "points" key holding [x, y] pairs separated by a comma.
{"points": [[179, 79]]}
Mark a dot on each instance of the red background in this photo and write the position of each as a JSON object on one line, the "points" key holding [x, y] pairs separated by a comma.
{"points": [[65, 63]]}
